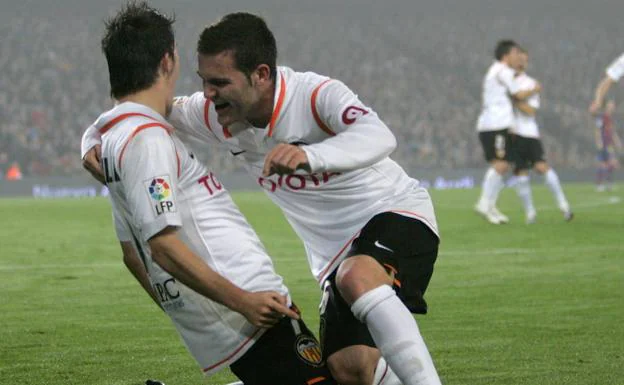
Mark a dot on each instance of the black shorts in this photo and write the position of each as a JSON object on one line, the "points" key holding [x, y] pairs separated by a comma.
{"points": [[496, 145], [526, 152], [286, 354], [414, 249]]}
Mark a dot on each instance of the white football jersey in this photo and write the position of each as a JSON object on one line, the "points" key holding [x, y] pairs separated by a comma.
{"points": [[616, 69], [347, 146], [526, 125], [497, 109], [155, 182]]}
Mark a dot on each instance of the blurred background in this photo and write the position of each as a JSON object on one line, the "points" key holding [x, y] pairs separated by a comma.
{"points": [[418, 63]]}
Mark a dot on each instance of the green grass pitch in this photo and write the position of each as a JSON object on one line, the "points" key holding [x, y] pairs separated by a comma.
{"points": [[514, 304]]}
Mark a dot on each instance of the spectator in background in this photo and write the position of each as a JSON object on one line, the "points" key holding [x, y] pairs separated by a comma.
{"points": [[608, 143], [14, 172]]}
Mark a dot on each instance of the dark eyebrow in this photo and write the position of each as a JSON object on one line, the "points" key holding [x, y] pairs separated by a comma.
{"points": [[215, 81]]}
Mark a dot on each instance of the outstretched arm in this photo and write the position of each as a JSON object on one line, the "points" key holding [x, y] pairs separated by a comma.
{"points": [[601, 92]]}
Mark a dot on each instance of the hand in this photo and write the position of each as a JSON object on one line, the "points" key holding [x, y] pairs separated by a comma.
{"points": [[595, 106], [265, 308], [285, 159], [538, 87], [92, 163]]}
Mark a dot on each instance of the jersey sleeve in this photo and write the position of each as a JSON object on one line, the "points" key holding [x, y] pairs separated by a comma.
{"points": [[149, 174], [90, 138], [616, 70], [507, 77], [123, 232], [190, 116], [534, 100], [359, 139]]}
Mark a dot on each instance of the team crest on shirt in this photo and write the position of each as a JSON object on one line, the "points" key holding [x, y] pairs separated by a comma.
{"points": [[308, 350], [159, 190]]}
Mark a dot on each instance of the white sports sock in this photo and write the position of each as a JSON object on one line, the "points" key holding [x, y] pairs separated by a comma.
{"points": [[523, 188], [384, 374], [396, 334], [497, 186], [490, 182], [552, 181]]}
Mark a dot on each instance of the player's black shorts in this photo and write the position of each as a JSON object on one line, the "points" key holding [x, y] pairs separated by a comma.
{"points": [[526, 152], [405, 247], [286, 354], [496, 145]]}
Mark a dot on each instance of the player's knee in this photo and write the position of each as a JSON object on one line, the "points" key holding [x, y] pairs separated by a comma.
{"points": [[359, 274], [354, 365], [500, 166], [542, 167]]}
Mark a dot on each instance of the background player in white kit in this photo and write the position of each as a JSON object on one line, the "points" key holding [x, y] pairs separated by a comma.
{"points": [[614, 73], [183, 237], [527, 147], [367, 227], [496, 119]]}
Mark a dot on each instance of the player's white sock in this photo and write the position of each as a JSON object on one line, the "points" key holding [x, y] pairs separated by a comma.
{"points": [[498, 184], [396, 334], [552, 181], [489, 184], [523, 188], [384, 374]]}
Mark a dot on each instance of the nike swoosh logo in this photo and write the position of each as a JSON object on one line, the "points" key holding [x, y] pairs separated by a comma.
{"points": [[237, 152], [377, 244]]}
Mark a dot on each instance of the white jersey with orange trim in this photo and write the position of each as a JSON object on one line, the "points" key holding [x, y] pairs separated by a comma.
{"points": [[616, 70], [526, 125], [497, 109], [347, 146], [155, 182]]}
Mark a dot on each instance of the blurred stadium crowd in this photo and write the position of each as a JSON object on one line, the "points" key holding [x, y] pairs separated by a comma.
{"points": [[419, 66]]}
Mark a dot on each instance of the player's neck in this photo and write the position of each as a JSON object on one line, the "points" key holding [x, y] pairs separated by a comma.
{"points": [[263, 108], [150, 98]]}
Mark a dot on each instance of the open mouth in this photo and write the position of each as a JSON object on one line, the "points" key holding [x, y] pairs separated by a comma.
{"points": [[221, 106]]}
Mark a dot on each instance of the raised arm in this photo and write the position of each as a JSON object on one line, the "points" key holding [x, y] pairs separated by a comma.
{"points": [[601, 92], [614, 73]]}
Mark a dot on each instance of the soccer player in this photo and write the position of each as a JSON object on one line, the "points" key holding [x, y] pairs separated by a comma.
{"points": [[613, 74], [527, 146], [369, 230], [182, 236], [496, 118], [607, 142]]}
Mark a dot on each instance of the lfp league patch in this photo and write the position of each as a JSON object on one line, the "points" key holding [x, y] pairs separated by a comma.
{"points": [[161, 194]]}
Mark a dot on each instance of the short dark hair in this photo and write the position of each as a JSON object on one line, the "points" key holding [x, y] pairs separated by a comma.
{"points": [[503, 47], [247, 35], [136, 40]]}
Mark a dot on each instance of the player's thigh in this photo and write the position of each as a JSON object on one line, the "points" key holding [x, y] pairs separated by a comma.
{"points": [[496, 145], [286, 354], [522, 158], [406, 248]]}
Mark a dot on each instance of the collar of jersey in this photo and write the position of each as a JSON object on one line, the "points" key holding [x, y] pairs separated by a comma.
{"points": [[280, 95], [130, 109]]}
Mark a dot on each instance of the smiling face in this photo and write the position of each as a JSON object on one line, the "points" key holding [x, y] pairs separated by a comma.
{"points": [[231, 90]]}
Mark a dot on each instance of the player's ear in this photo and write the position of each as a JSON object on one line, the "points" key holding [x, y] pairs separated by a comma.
{"points": [[262, 73], [167, 65]]}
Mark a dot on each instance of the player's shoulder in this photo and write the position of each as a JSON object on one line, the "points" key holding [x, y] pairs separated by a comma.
{"points": [[302, 82], [527, 79], [127, 121], [194, 99]]}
